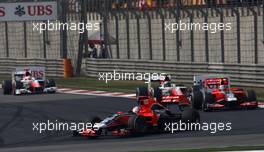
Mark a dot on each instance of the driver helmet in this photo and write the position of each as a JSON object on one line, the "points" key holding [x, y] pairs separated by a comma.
{"points": [[167, 78], [27, 74], [135, 109], [222, 87], [167, 84]]}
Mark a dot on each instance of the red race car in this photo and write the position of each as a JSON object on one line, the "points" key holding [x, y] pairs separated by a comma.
{"points": [[166, 93], [215, 92], [149, 116]]}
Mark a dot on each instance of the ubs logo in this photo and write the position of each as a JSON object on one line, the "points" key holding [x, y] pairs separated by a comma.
{"points": [[20, 11], [2, 11]]}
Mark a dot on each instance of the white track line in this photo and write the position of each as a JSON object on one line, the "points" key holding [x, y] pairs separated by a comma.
{"points": [[261, 104], [95, 93]]}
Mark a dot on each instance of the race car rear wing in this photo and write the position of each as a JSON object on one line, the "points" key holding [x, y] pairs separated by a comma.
{"points": [[211, 79], [36, 71]]}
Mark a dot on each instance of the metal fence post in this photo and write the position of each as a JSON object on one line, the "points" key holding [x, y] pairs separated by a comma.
{"points": [[63, 32], [25, 39], [45, 42], [206, 41], [256, 37], [44, 45], [190, 14], [138, 36], [192, 39], [238, 36], [7, 43], [128, 35], [106, 34], [150, 35], [81, 39], [222, 35], [205, 15], [138, 33], [163, 34], [178, 15], [117, 36]]}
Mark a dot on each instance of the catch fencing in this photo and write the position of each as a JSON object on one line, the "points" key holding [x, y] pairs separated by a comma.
{"points": [[136, 30]]}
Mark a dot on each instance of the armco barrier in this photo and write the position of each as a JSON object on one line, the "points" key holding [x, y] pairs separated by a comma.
{"points": [[241, 75], [54, 68]]}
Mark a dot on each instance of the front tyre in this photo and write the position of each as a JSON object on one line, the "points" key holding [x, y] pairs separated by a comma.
{"points": [[93, 121], [7, 87], [252, 97], [141, 92], [137, 124]]}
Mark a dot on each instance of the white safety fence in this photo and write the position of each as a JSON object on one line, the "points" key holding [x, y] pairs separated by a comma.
{"points": [[241, 75], [54, 67]]}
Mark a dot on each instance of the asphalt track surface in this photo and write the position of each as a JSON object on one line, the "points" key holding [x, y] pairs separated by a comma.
{"points": [[17, 113]]}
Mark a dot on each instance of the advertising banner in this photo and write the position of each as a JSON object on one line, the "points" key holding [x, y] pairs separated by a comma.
{"points": [[30, 11], [37, 72]]}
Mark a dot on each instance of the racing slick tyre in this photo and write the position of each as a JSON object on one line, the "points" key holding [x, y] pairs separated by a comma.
{"points": [[50, 83], [95, 120], [190, 116], [208, 98], [75, 133], [158, 94], [197, 99], [141, 92], [137, 124], [251, 95], [19, 85], [7, 87]]}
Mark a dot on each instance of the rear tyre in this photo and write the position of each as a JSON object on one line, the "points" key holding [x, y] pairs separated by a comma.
{"points": [[251, 95], [189, 117], [137, 124], [208, 98], [158, 94], [197, 99], [93, 121], [19, 85], [50, 83], [7, 87], [141, 92]]}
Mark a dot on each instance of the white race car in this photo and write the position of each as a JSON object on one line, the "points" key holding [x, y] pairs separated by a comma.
{"points": [[27, 81]]}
